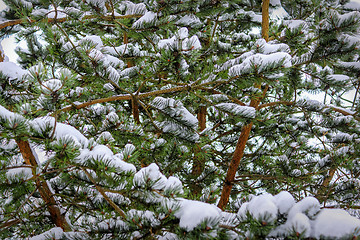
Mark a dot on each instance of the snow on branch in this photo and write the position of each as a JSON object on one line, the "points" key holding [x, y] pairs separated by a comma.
{"points": [[243, 111], [259, 63]]}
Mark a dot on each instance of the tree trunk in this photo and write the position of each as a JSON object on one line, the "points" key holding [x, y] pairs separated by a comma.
{"points": [[265, 20], [245, 132], [199, 162], [44, 190], [234, 164], [201, 116], [135, 110]]}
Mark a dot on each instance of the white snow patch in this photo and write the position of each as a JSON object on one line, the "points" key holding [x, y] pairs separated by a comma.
{"points": [[54, 233], [62, 130], [284, 201], [150, 173], [338, 77], [173, 183], [309, 206], [11, 70], [259, 61], [353, 5], [188, 20], [22, 173], [260, 207], [181, 41], [244, 111], [293, 24], [268, 48], [51, 85], [192, 213], [335, 224], [149, 17]]}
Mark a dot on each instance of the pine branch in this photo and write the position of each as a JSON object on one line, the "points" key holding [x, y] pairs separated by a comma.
{"points": [[60, 20], [102, 192], [10, 223], [130, 96], [336, 109]]}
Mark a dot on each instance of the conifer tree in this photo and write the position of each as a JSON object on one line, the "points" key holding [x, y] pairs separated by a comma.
{"points": [[180, 120]]}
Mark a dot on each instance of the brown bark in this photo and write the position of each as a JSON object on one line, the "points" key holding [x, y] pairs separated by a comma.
{"points": [[43, 188], [265, 20], [234, 164], [245, 132], [199, 162], [201, 116], [2, 56], [135, 110], [321, 194]]}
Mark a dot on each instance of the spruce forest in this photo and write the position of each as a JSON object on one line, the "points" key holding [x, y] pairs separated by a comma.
{"points": [[180, 119]]}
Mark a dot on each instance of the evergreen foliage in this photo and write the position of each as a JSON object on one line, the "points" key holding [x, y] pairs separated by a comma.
{"points": [[123, 119]]}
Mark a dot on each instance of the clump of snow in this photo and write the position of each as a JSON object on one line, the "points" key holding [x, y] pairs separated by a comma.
{"points": [[132, 8], [54, 233], [149, 17], [6, 114], [304, 217], [284, 201], [338, 77], [309, 206], [261, 207], [352, 5], [150, 173], [311, 104], [180, 41], [158, 142], [335, 224], [193, 213], [188, 20], [260, 62], [11, 70], [275, 2], [175, 109], [145, 216], [173, 183], [61, 130], [127, 151], [353, 65], [6, 58], [51, 85], [58, 233], [268, 48], [244, 111], [96, 40], [15, 174], [293, 24], [298, 224], [106, 137], [102, 152], [58, 14]]}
